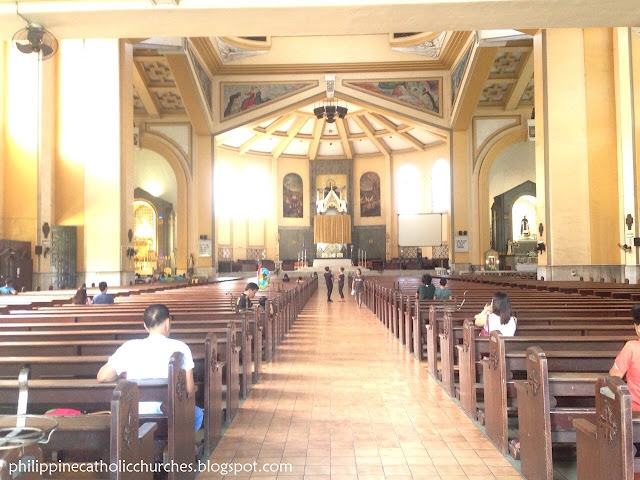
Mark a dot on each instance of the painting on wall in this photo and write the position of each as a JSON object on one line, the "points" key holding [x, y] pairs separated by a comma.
{"points": [[292, 196], [458, 74], [422, 94], [238, 98], [370, 195]]}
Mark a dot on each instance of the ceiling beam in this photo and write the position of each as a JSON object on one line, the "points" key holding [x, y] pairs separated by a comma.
{"points": [[344, 137], [526, 72], [247, 145], [147, 99], [268, 131], [318, 128], [189, 93], [470, 93], [366, 127], [293, 131]]}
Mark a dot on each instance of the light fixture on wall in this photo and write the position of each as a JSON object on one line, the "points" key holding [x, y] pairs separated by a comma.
{"points": [[330, 110], [531, 126]]}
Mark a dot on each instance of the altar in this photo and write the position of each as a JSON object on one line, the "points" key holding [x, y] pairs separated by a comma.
{"points": [[333, 263]]}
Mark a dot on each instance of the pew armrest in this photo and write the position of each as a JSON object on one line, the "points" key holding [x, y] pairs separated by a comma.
{"points": [[586, 427]]}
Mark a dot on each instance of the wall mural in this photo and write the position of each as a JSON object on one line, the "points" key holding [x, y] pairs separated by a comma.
{"points": [[370, 195], [424, 95], [238, 98], [458, 74], [292, 196]]}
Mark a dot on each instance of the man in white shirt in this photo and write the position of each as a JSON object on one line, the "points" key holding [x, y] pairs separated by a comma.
{"points": [[148, 358]]}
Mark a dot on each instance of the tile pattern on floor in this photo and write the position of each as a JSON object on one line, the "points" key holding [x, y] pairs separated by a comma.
{"points": [[343, 400]]}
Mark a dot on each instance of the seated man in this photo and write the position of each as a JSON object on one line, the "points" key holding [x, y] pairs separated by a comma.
{"points": [[427, 290], [627, 363], [442, 293], [8, 288], [102, 297], [148, 358], [244, 302]]}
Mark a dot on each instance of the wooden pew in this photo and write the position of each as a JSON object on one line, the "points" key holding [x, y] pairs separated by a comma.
{"points": [[605, 447], [71, 434], [497, 372], [120, 433], [549, 401]]}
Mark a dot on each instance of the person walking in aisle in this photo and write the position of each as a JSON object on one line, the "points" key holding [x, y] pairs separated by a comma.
{"points": [[341, 283], [328, 278], [358, 287]]}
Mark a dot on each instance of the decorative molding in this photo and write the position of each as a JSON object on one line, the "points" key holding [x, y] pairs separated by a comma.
{"points": [[181, 140], [429, 48], [203, 79], [230, 52], [504, 123], [409, 92], [458, 75]]}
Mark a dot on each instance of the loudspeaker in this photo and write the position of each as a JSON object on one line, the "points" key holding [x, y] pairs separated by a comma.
{"points": [[39, 249], [636, 242]]}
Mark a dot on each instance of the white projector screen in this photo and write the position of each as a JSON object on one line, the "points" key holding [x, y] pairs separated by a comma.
{"points": [[420, 230]]}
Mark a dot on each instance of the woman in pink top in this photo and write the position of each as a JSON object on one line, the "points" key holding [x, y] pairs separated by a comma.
{"points": [[627, 363]]}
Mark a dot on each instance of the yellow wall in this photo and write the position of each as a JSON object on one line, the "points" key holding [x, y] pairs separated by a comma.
{"points": [[461, 197], [20, 194], [69, 176], [424, 162], [204, 191], [602, 144]]}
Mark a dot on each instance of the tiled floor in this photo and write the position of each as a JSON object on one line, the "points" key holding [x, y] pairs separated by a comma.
{"points": [[344, 401]]}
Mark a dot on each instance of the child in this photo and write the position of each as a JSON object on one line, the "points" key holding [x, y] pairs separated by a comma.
{"points": [[244, 302], [358, 286], [442, 293]]}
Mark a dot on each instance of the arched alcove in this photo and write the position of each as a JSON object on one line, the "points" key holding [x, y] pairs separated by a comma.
{"points": [[480, 187], [179, 166]]}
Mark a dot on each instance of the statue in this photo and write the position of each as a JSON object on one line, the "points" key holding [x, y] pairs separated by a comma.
{"points": [[524, 227], [510, 247]]}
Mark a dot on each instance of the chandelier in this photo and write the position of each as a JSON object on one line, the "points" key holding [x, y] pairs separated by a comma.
{"points": [[330, 110]]}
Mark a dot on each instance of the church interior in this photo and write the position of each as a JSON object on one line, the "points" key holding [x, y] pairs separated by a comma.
{"points": [[160, 144]]}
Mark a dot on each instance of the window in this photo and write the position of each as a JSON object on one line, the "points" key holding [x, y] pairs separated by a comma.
{"points": [[440, 186], [408, 183]]}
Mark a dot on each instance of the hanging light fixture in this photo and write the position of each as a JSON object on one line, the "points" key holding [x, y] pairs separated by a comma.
{"points": [[330, 110]]}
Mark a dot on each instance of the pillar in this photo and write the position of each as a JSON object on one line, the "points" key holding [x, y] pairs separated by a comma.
{"points": [[627, 154], [576, 153]]}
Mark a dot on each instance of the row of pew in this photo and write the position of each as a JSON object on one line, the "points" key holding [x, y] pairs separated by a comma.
{"points": [[50, 355], [544, 391]]}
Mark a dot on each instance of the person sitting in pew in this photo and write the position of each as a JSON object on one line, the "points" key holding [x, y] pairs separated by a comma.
{"points": [[262, 305], [286, 278], [148, 359], [497, 316], [442, 293], [427, 290], [627, 363], [244, 301], [8, 288], [81, 297], [102, 298]]}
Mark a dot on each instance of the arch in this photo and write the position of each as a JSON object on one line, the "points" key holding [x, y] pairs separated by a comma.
{"points": [[480, 187], [408, 190], [180, 167], [440, 186]]}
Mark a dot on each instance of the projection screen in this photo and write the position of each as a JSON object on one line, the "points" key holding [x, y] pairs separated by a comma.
{"points": [[420, 230]]}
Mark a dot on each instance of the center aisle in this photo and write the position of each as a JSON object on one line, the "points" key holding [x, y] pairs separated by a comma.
{"points": [[342, 400]]}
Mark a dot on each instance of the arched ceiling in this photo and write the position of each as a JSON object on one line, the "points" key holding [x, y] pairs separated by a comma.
{"points": [[299, 134]]}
